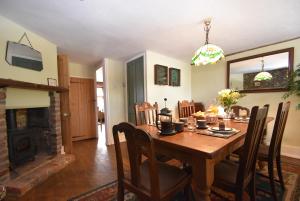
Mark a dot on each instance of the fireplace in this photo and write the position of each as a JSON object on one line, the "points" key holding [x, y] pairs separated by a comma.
{"points": [[27, 134]]}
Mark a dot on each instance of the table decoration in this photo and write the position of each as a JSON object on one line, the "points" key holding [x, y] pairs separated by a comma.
{"points": [[227, 98]]}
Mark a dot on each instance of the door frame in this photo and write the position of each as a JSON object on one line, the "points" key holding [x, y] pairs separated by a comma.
{"points": [[125, 80]]}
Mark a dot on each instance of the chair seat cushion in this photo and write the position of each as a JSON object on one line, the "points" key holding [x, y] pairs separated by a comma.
{"points": [[225, 175], [263, 152], [169, 176]]}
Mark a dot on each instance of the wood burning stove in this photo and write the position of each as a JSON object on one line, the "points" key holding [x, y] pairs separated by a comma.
{"points": [[21, 146], [25, 128]]}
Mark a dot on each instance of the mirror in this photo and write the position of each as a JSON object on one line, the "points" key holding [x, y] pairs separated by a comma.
{"points": [[242, 74], [23, 56]]}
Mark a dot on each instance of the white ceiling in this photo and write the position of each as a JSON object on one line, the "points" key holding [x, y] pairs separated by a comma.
{"points": [[88, 30]]}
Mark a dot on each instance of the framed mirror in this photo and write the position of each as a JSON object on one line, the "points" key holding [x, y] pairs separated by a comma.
{"points": [[267, 72], [23, 56]]}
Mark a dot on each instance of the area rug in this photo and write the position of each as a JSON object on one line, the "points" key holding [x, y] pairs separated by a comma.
{"points": [[108, 192]]}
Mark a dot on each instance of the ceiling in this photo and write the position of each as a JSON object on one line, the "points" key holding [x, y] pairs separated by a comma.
{"points": [[89, 30]]}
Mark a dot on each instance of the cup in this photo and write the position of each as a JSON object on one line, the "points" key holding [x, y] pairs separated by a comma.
{"points": [[183, 119], [201, 123], [179, 126]]}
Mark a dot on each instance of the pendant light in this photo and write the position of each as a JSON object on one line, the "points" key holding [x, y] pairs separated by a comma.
{"points": [[263, 75], [208, 53]]}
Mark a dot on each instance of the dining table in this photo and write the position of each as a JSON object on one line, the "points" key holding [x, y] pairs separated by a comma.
{"points": [[200, 151]]}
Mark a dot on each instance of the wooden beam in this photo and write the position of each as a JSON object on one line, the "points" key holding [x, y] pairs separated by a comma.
{"points": [[64, 81], [28, 85]]}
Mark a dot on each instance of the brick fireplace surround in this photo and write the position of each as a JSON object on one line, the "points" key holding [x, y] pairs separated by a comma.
{"points": [[20, 185]]}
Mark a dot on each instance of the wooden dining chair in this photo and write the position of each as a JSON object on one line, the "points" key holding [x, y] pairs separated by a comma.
{"points": [[145, 113], [186, 108], [272, 152], [237, 108], [236, 177], [151, 179]]}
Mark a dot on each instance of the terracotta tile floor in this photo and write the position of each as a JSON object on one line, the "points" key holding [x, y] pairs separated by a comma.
{"points": [[94, 166]]}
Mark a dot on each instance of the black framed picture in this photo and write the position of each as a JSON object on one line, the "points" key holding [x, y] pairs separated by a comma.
{"points": [[174, 77], [160, 74]]}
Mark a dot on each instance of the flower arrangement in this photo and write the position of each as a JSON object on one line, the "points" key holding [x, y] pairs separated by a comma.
{"points": [[228, 97]]}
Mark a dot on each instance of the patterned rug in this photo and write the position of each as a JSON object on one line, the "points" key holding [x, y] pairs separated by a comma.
{"points": [[108, 192]]}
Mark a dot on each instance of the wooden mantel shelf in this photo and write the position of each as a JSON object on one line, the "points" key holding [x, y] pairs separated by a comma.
{"points": [[28, 85]]}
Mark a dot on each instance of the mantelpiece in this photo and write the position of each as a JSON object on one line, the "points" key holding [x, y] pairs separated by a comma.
{"points": [[28, 85]]}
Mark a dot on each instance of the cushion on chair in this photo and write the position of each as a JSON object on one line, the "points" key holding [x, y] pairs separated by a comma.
{"points": [[225, 175], [263, 152], [168, 176]]}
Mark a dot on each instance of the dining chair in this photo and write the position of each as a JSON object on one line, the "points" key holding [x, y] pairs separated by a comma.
{"points": [[236, 177], [150, 179], [237, 108], [199, 106], [145, 113], [272, 152], [186, 108]]}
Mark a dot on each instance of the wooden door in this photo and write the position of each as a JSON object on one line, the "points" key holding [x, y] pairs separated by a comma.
{"points": [[135, 85], [74, 107], [82, 106]]}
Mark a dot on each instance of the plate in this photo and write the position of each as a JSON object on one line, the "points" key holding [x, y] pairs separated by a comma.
{"points": [[168, 133], [205, 127], [223, 131], [218, 129]]}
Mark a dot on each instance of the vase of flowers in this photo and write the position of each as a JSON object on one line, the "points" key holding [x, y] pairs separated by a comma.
{"points": [[227, 98]]}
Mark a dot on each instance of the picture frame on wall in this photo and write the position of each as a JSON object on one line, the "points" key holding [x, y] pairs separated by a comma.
{"points": [[160, 74], [52, 82], [174, 77]]}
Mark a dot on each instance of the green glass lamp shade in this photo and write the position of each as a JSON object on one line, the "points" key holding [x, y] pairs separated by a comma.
{"points": [[262, 76], [207, 54]]}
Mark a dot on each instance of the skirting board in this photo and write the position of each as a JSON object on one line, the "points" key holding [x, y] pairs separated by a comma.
{"points": [[290, 151]]}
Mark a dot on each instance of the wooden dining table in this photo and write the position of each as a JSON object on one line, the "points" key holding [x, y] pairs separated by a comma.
{"points": [[202, 152]]}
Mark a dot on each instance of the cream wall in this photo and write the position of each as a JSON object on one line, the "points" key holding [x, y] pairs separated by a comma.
{"points": [[82, 71], [114, 95], [19, 98], [208, 80], [156, 93]]}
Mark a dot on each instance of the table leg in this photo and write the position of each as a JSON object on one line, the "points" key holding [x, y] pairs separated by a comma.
{"points": [[203, 177]]}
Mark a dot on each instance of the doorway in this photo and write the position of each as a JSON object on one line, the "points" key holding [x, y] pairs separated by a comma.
{"points": [[100, 106]]}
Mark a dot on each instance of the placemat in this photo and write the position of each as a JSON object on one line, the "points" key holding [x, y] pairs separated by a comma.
{"points": [[207, 132]]}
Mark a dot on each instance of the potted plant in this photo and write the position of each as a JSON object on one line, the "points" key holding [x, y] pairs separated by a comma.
{"points": [[294, 85]]}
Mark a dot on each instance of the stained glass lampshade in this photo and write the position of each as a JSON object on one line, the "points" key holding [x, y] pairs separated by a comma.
{"points": [[262, 76], [207, 54]]}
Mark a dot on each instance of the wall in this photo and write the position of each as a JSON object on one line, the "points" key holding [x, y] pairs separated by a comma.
{"points": [[114, 95], [19, 98], [156, 93], [82, 71], [208, 80]]}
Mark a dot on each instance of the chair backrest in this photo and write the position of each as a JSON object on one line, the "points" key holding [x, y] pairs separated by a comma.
{"points": [[251, 145], [145, 113], [236, 110], [138, 142], [199, 106], [186, 108], [278, 129]]}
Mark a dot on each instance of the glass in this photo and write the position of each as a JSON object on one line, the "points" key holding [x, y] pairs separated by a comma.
{"points": [[191, 123]]}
